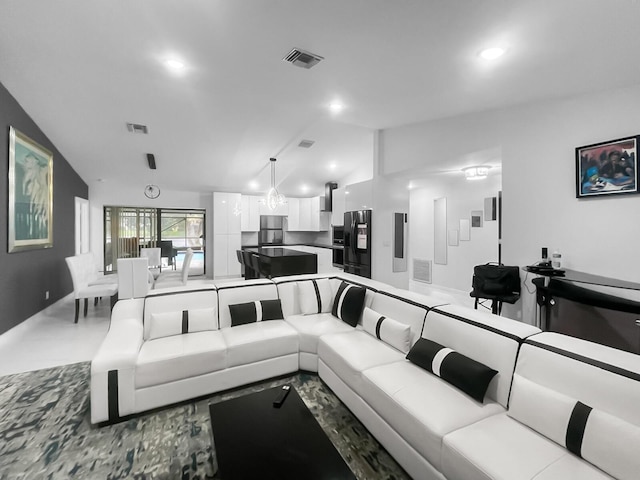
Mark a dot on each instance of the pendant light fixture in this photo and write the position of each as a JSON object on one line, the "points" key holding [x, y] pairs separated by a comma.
{"points": [[274, 198]]}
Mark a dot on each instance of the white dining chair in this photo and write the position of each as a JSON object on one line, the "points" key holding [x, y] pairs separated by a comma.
{"points": [[155, 260], [82, 269]]}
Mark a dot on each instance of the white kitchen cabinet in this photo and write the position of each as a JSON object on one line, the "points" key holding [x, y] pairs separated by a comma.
{"points": [[226, 212], [337, 207], [319, 220], [293, 219], [226, 233], [305, 215], [280, 210], [250, 216], [234, 242], [225, 260], [360, 196]]}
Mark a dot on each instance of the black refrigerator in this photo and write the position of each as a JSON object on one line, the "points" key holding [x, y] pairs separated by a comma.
{"points": [[357, 243]]}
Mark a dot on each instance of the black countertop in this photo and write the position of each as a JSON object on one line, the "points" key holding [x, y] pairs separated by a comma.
{"points": [[293, 245], [277, 252]]}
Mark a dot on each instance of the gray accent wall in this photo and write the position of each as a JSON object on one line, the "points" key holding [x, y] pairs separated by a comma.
{"points": [[26, 276]]}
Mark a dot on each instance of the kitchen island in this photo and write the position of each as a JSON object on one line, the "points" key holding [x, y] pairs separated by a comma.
{"points": [[279, 261]]}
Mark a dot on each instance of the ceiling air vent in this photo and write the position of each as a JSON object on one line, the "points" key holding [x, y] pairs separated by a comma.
{"points": [[302, 58], [137, 128], [306, 143]]}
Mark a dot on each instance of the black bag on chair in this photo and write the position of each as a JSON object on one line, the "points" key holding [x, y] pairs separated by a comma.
{"points": [[491, 280]]}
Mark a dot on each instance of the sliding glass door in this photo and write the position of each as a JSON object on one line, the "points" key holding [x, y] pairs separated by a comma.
{"points": [[127, 229]]}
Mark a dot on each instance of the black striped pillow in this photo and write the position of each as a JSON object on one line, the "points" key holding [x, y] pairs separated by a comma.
{"points": [[471, 377], [258, 311], [315, 296], [347, 305]]}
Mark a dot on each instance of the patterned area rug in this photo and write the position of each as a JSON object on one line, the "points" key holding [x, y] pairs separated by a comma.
{"points": [[45, 432]]}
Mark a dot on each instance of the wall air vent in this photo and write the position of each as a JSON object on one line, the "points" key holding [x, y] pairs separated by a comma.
{"points": [[306, 143], [137, 128], [422, 270], [302, 58]]}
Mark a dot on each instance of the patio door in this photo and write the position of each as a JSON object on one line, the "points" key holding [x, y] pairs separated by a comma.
{"points": [[127, 229]]}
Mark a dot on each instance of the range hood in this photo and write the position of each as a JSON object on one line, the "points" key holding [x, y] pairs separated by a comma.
{"points": [[329, 187]]}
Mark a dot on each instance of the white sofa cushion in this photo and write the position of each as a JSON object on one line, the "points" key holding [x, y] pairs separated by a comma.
{"points": [[312, 327], [349, 354], [421, 407], [315, 296], [491, 340], [177, 357], [600, 438], [390, 331], [187, 321], [499, 447], [254, 342], [584, 371]]}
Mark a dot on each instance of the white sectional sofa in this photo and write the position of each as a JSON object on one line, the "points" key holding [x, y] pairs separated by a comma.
{"points": [[430, 412]]}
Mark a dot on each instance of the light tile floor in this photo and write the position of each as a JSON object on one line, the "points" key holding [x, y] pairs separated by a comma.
{"points": [[50, 338]]}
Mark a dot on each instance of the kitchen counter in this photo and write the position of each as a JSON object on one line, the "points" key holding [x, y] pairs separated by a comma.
{"points": [[282, 261], [275, 252], [293, 245]]}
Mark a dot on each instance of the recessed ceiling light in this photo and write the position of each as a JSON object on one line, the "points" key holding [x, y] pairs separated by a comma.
{"points": [[304, 188], [492, 53], [174, 64], [332, 166], [253, 184], [336, 107]]}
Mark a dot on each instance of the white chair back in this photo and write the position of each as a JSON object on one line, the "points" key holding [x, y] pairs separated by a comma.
{"points": [[185, 265], [78, 272], [153, 254]]}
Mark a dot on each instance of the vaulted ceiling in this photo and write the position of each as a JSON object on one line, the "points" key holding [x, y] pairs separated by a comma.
{"points": [[83, 69]]}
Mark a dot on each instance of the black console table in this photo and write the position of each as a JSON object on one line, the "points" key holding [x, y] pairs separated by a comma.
{"points": [[569, 306]]}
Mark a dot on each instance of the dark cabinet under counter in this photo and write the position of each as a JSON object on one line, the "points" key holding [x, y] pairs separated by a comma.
{"points": [[279, 261], [570, 305]]}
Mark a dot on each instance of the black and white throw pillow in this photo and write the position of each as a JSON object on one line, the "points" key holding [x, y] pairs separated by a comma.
{"points": [[258, 311], [315, 296], [347, 305], [166, 324], [471, 377], [390, 331]]}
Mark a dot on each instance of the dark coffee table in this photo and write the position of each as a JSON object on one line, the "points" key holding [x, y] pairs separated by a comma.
{"points": [[253, 439]]}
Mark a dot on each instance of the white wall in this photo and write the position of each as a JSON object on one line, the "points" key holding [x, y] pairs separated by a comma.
{"points": [[538, 141], [389, 196], [462, 196], [103, 194]]}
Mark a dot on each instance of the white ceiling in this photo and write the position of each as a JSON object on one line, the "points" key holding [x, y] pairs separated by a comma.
{"points": [[82, 69]]}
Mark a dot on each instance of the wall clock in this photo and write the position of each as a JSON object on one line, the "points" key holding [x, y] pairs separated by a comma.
{"points": [[152, 191]]}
